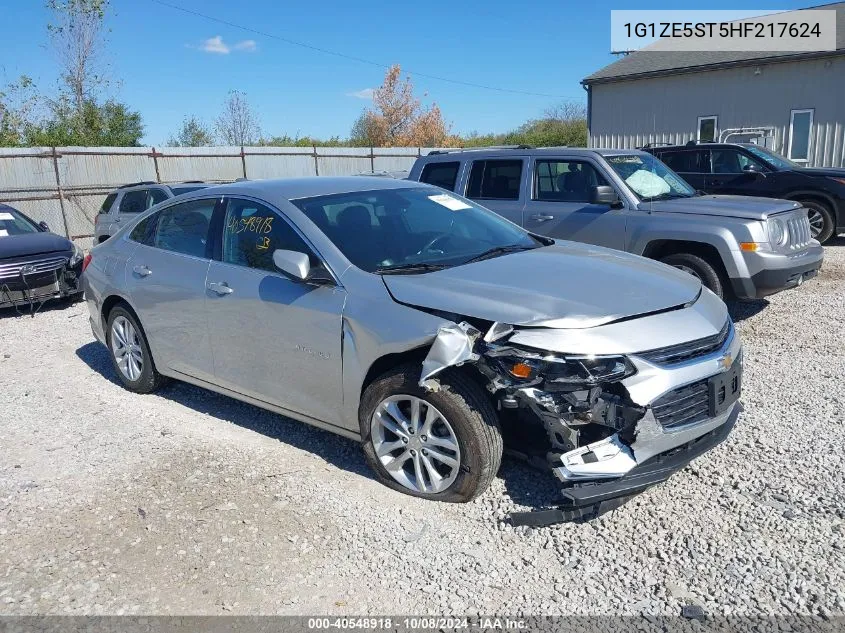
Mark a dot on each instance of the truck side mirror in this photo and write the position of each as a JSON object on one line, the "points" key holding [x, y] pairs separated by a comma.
{"points": [[605, 194]]}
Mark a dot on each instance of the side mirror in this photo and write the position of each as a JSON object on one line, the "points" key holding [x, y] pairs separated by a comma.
{"points": [[604, 194], [43, 226], [292, 263], [753, 169]]}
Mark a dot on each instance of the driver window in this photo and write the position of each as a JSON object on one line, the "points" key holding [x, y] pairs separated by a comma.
{"points": [[731, 161], [566, 180], [252, 232]]}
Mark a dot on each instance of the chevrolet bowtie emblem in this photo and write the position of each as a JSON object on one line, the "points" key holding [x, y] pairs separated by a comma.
{"points": [[726, 361]]}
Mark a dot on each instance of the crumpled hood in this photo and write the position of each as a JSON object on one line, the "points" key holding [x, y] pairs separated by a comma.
{"points": [[32, 244], [567, 285], [729, 206]]}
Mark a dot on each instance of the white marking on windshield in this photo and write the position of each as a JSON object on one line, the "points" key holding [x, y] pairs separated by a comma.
{"points": [[449, 202]]}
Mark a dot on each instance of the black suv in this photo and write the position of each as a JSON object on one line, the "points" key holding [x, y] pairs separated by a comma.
{"points": [[746, 169]]}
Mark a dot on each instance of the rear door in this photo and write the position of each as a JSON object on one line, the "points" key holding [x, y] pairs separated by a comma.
{"points": [[560, 204], [274, 338], [165, 280], [736, 173], [135, 201], [498, 184], [693, 165]]}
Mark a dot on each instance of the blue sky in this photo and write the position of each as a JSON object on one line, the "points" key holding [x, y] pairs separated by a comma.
{"points": [[168, 64]]}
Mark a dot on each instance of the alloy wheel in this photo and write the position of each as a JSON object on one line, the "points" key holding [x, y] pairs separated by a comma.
{"points": [[816, 222], [415, 443], [126, 348]]}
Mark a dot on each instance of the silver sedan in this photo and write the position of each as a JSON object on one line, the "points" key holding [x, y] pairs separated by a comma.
{"points": [[424, 326]]}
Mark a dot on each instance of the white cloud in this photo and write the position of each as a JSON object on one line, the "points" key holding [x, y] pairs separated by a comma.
{"points": [[248, 46], [366, 93], [217, 46]]}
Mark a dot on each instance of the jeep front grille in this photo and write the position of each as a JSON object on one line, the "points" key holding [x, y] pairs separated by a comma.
{"points": [[12, 271], [799, 231], [674, 354]]}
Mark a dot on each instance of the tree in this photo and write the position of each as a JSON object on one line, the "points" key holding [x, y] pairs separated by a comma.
{"points": [[18, 101], [193, 133], [237, 124], [563, 124], [77, 35], [109, 124], [397, 118]]}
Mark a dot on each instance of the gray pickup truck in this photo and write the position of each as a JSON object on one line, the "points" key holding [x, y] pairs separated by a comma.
{"points": [[630, 201]]}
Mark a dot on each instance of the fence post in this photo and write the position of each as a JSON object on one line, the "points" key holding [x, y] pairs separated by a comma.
{"points": [[155, 164], [243, 160], [372, 159], [316, 164], [59, 191]]}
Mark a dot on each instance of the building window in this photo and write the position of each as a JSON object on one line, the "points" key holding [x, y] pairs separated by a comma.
{"points": [[707, 128], [800, 127]]}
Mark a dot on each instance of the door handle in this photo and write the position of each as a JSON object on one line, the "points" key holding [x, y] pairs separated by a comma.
{"points": [[542, 217], [142, 270], [220, 288], [117, 219], [717, 183]]}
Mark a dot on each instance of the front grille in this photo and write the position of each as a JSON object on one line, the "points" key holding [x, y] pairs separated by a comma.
{"points": [[674, 354], [685, 405], [799, 231], [12, 271]]}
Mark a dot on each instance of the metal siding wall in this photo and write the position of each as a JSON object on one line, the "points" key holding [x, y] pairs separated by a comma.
{"points": [[629, 114], [87, 174]]}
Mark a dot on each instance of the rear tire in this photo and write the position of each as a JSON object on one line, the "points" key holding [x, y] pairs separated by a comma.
{"points": [[467, 415], [822, 225], [700, 268], [130, 352]]}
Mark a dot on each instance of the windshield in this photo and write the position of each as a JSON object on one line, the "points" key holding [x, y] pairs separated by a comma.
{"points": [[412, 230], [775, 160], [648, 178], [14, 223]]}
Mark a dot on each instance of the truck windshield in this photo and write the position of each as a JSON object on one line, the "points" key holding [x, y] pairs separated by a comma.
{"points": [[775, 160], [648, 178], [413, 230]]}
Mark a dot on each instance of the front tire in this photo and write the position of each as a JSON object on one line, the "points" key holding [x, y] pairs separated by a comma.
{"points": [[130, 352], [443, 445], [699, 268], [822, 224]]}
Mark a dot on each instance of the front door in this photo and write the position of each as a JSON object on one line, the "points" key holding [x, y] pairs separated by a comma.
{"points": [[560, 204], [274, 338], [736, 173], [165, 279], [693, 165]]}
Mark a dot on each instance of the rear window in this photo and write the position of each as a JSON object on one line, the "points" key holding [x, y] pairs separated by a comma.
{"points": [[134, 201], [441, 175], [495, 180], [108, 202]]}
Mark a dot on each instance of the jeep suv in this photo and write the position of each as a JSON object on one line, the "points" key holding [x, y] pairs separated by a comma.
{"points": [[126, 202], [746, 169], [630, 201]]}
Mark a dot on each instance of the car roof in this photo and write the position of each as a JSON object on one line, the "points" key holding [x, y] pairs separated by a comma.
{"points": [[483, 152], [281, 189]]}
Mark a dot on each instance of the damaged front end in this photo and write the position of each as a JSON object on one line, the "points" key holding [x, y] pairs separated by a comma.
{"points": [[574, 415]]}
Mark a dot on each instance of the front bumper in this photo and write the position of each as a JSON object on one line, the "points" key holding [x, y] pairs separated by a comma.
{"points": [[771, 273], [585, 501], [31, 291]]}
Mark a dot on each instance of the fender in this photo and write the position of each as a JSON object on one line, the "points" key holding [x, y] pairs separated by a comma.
{"points": [[823, 195]]}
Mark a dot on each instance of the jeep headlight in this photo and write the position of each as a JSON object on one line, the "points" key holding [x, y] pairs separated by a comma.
{"points": [[76, 257], [778, 233], [568, 371]]}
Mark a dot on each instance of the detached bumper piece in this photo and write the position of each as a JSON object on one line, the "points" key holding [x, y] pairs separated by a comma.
{"points": [[586, 501]]}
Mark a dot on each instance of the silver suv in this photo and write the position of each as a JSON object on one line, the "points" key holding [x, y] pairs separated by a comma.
{"points": [[125, 203], [426, 327], [629, 200]]}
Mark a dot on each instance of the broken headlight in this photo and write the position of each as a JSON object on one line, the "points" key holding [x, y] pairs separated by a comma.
{"points": [[567, 371]]}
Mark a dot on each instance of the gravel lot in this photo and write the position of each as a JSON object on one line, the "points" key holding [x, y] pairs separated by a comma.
{"points": [[192, 503]]}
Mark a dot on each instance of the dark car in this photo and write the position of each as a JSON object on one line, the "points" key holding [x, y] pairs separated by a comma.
{"points": [[746, 169], [35, 264]]}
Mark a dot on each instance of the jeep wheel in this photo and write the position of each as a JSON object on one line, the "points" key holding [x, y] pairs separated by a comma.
{"points": [[443, 445], [698, 268], [821, 220]]}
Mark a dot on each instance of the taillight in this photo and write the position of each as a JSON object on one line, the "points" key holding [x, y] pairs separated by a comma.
{"points": [[86, 261]]}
